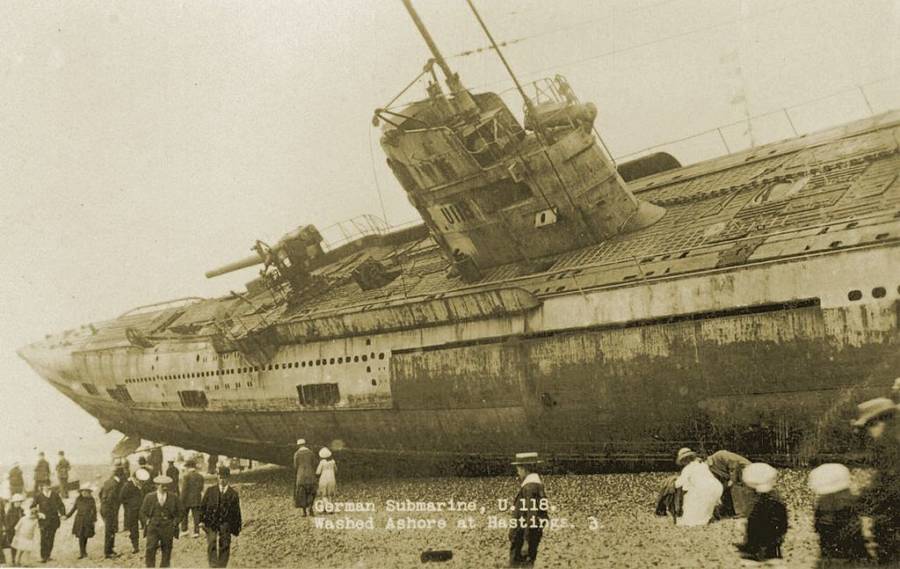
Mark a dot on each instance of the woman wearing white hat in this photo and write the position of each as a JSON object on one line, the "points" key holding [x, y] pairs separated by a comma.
{"points": [[327, 483], [702, 490]]}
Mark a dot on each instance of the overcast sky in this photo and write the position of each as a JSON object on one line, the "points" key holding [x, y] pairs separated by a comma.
{"points": [[143, 143]]}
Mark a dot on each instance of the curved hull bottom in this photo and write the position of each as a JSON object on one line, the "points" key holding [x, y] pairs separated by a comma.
{"points": [[779, 385], [489, 436]]}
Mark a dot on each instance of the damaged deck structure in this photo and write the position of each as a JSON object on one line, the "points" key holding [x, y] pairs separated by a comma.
{"points": [[747, 301]]}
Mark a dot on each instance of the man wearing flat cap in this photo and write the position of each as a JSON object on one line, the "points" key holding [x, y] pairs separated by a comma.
{"points": [[881, 498], [162, 513], [530, 512], [305, 482], [220, 514]]}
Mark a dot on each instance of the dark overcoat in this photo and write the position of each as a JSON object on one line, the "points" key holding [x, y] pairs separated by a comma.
{"points": [[305, 466], [218, 510], [109, 502], [191, 489], [85, 510], [766, 526]]}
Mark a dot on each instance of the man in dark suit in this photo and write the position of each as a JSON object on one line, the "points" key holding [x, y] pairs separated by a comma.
{"points": [[132, 497], [220, 515], [109, 511], [162, 513], [50, 508], [191, 493]]}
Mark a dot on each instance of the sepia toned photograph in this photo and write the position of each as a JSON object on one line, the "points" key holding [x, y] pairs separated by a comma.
{"points": [[450, 283]]}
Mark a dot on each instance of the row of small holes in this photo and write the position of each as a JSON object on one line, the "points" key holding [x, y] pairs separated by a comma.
{"points": [[288, 365]]}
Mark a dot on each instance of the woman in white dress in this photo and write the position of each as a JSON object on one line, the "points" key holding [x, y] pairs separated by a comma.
{"points": [[702, 491], [327, 482]]}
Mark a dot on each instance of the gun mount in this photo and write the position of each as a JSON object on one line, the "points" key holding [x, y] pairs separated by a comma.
{"points": [[289, 260]]}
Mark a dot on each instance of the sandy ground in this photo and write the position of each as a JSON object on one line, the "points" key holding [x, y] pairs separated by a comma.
{"points": [[609, 523]]}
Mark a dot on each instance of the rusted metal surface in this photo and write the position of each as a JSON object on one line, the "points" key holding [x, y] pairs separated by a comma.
{"points": [[754, 314]]}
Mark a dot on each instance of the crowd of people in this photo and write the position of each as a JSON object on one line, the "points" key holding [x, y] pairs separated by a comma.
{"points": [[726, 484], [152, 503]]}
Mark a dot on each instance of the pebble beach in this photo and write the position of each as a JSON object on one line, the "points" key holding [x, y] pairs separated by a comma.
{"points": [[601, 520]]}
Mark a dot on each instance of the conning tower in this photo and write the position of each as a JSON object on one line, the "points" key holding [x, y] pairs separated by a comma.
{"points": [[493, 191]]}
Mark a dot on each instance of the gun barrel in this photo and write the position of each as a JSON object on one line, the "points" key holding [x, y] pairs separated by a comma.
{"points": [[237, 265]]}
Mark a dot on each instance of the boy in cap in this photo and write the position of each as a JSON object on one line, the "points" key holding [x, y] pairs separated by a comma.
{"points": [[836, 519], [767, 522], [85, 510], [221, 518], [530, 512], [881, 499]]}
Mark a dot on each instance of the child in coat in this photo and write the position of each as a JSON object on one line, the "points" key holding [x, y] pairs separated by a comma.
{"points": [[27, 537], [85, 510], [767, 521], [836, 518]]}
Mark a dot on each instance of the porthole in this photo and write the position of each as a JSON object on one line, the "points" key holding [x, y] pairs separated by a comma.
{"points": [[340, 360], [878, 292], [374, 382], [270, 367], [318, 362], [381, 356], [331, 361], [854, 295], [365, 357], [302, 364], [277, 366], [372, 355], [355, 358], [368, 369]]}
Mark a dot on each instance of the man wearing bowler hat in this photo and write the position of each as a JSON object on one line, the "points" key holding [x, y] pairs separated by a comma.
{"points": [[163, 514], [530, 512], [220, 511]]}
